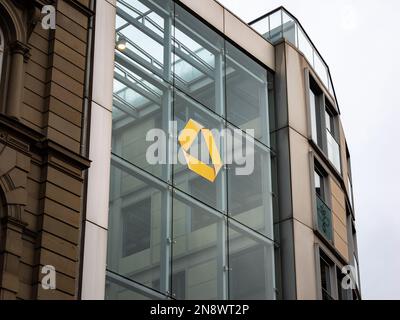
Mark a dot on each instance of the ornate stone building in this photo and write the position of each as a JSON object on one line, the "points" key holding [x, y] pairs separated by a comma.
{"points": [[43, 97]]}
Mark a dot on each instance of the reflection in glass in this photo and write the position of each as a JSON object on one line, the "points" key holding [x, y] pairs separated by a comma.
{"points": [[313, 112], [198, 61], [305, 46], [333, 151], [289, 28], [185, 179], [251, 264], [135, 227], [246, 92], [197, 253], [250, 196], [275, 23]]}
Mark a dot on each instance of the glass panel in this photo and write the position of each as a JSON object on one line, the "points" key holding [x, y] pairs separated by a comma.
{"points": [[116, 290], [251, 264], [142, 100], [246, 91], [249, 190], [319, 184], [350, 192], [313, 112], [141, 25], [324, 217], [198, 61], [289, 28], [356, 271], [333, 151], [325, 280], [197, 253], [305, 46], [135, 224], [321, 69], [138, 108], [275, 22], [190, 182], [262, 27]]}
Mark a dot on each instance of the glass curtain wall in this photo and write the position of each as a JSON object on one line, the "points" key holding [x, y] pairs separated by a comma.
{"points": [[172, 233]]}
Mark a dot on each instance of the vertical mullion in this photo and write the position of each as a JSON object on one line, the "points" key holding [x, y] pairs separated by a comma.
{"points": [[221, 189], [166, 216]]}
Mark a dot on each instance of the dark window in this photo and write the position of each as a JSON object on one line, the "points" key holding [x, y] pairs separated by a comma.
{"points": [[319, 183], [326, 282], [136, 227], [252, 285]]}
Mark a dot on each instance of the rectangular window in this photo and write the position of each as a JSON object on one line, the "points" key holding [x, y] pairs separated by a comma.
{"points": [[249, 195], [136, 227], [326, 278], [246, 93], [199, 251], [136, 222], [319, 184], [251, 265], [324, 127], [324, 213], [198, 61], [314, 112]]}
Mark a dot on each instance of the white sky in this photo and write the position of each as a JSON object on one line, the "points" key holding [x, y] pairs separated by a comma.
{"points": [[359, 39]]}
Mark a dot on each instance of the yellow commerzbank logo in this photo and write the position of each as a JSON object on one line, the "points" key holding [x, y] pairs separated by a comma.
{"points": [[187, 137]]}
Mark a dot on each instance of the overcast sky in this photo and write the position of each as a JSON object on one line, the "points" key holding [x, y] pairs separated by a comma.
{"points": [[359, 39]]}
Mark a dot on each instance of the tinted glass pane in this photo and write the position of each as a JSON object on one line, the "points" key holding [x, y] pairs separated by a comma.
{"points": [[313, 112], [305, 46], [135, 225], [262, 27], [198, 61], [142, 25], [275, 22], [249, 191], [142, 100], [289, 28], [251, 263], [247, 93], [325, 279], [207, 191], [197, 253], [121, 290]]}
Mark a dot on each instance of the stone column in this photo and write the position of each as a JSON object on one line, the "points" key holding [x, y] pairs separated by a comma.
{"points": [[19, 53]]}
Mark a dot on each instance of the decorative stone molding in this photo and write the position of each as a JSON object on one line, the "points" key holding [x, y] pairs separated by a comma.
{"points": [[18, 47]]}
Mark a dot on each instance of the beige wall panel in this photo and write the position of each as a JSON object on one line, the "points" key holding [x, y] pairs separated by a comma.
{"points": [[339, 227], [65, 111], [301, 181], [296, 90], [341, 246], [305, 262], [249, 40], [66, 9], [209, 10], [337, 192], [339, 211]]}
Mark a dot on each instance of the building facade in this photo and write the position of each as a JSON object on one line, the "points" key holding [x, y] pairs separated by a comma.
{"points": [[78, 192]]}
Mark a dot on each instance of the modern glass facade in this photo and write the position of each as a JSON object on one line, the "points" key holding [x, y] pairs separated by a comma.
{"points": [[173, 234]]}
